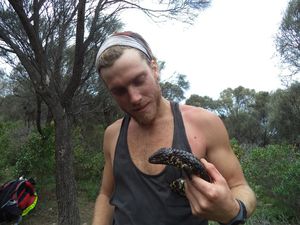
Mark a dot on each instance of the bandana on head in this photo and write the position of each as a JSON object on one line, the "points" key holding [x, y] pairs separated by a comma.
{"points": [[123, 40]]}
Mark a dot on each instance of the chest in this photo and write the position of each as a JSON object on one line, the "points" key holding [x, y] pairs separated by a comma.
{"points": [[142, 143]]}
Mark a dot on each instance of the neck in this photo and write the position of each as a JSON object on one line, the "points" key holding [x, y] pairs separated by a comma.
{"points": [[163, 112]]}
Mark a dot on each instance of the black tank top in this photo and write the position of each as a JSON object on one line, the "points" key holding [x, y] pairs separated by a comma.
{"points": [[142, 199]]}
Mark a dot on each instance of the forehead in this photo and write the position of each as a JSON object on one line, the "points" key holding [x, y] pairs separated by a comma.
{"points": [[128, 65]]}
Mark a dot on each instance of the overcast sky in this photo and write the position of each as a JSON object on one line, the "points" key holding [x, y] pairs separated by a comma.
{"points": [[230, 44]]}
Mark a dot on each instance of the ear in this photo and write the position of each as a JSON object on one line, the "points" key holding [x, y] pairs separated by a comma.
{"points": [[155, 69]]}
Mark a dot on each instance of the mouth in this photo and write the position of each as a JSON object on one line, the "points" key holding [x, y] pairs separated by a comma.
{"points": [[139, 109]]}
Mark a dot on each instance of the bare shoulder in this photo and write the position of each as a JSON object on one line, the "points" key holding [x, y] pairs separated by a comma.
{"points": [[204, 129], [213, 141], [111, 135], [200, 116], [114, 128]]}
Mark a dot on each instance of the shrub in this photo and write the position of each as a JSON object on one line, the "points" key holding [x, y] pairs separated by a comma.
{"points": [[36, 156], [88, 158], [274, 171], [9, 132], [33, 156], [89, 161], [238, 151], [88, 165]]}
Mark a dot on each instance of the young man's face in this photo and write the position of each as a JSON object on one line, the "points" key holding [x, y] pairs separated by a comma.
{"points": [[134, 85]]}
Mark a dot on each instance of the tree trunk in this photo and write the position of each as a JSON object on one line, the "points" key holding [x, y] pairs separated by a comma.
{"points": [[66, 194], [38, 114]]}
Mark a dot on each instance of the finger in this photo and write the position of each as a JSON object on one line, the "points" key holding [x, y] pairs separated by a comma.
{"points": [[191, 192], [193, 196], [212, 170], [200, 184], [197, 192], [196, 199]]}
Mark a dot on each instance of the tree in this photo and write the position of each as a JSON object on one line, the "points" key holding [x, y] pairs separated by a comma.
{"points": [[204, 102], [56, 43], [31, 102], [285, 111], [288, 37], [174, 90], [235, 108], [261, 109], [4, 87], [17, 89]]}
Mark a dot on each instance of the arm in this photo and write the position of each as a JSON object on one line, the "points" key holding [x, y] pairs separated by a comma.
{"points": [[217, 200], [103, 212]]}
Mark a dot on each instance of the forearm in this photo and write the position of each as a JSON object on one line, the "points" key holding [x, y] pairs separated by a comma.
{"points": [[103, 212], [247, 196]]}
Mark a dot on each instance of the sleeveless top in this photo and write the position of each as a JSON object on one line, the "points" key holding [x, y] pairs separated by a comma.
{"points": [[142, 199]]}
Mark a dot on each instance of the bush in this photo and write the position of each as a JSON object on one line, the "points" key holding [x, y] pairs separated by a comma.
{"points": [[274, 172], [29, 154], [238, 151], [36, 156], [89, 161], [9, 132], [88, 165]]}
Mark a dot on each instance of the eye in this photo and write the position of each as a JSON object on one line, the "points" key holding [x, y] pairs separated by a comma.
{"points": [[139, 80], [118, 91]]}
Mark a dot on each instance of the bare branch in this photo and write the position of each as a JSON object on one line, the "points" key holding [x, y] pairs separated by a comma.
{"points": [[78, 59], [32, 36]]}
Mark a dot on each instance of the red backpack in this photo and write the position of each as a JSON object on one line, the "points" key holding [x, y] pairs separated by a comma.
{"points": [[17, 198]]}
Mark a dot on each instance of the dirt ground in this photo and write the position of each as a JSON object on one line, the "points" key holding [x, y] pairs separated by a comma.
{"points": [[45, 212]]}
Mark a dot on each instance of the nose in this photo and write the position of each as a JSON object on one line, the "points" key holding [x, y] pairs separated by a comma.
{"points": [[134, 95]]}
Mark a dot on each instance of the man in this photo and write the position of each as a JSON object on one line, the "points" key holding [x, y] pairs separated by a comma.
{"points": [[135, 192]]}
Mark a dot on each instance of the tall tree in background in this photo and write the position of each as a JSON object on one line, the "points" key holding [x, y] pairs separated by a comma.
{"points": [[202, 101], [260, 112], [173, 90], [4, 89], [56, 42], [288, 38], [235, 108], [284, 114]]}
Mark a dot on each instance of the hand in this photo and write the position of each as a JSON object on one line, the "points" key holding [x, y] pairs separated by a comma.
{"points": [[213, 201]]}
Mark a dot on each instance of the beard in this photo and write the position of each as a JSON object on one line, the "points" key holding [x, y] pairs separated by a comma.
{"points": [[147, 118]]}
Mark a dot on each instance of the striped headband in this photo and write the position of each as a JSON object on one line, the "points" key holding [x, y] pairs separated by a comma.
{"points": [[123, 40]]}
